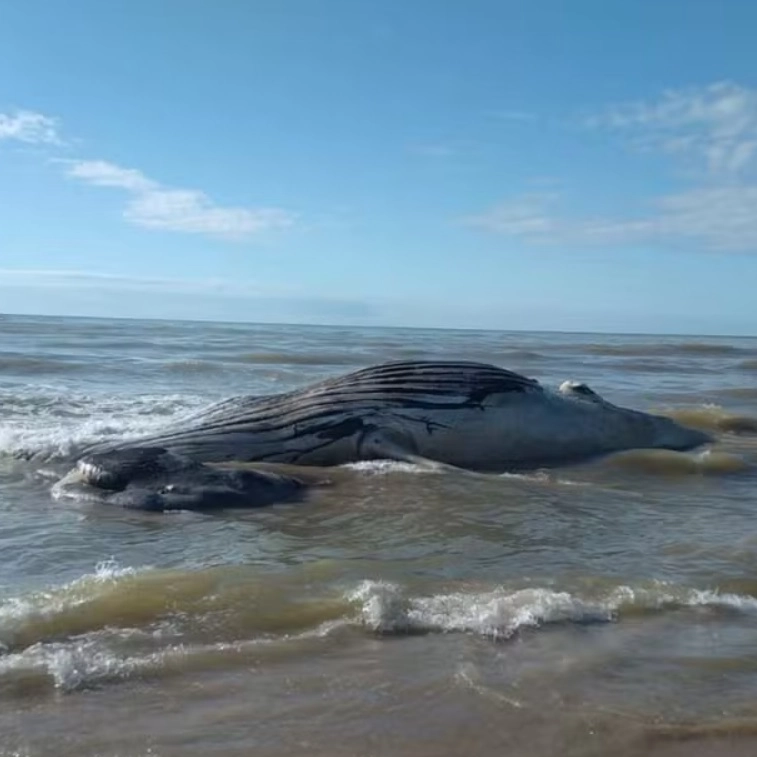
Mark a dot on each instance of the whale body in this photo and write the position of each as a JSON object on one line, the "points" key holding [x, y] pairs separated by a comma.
{"points": [[464, 415]]}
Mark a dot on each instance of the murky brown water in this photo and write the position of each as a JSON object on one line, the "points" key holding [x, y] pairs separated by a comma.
{"points": [[603, 608]]}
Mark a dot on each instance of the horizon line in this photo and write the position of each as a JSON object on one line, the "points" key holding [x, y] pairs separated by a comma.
{"points": [[375, 326]]}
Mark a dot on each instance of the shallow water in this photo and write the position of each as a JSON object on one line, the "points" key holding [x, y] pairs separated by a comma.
{"points": [[606, 607]]}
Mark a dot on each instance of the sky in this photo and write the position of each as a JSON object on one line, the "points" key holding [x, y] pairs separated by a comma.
{"points": [[505, 164]]}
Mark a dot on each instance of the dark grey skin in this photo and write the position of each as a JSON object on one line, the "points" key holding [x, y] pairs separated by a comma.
{"points": [[154, 479], [440, 414]]}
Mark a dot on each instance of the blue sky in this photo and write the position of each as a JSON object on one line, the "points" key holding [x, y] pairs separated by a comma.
{"points": [[520, 165]]}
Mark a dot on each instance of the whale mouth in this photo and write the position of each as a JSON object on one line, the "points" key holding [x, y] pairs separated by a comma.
{"points": [[154, 479], [115, 470], [680, 438]]}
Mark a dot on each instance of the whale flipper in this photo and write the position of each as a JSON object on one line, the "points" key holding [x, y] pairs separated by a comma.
{"points": [[383, 444]]}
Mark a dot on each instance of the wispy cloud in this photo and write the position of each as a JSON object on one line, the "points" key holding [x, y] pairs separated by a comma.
{"points": [[155, 206], [712, 128], [76, 279], [527, 215], [29, 127], [715, 218], [715, 126]]}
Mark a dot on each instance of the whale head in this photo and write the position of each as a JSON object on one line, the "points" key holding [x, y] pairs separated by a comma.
{"points": [[153, 478], [627, 428], [665, 433]]}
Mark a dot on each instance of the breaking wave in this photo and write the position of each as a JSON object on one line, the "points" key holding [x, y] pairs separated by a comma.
{"points": [[119, 621], [499, 613], [49, 425]]}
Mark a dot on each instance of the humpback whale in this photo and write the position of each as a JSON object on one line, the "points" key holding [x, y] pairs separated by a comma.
{"points": [[443, 413]]}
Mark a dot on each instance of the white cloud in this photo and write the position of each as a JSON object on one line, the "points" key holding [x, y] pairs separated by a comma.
{"points": [[150, 204], [103, 174], [155, 206], [712, 128], [715, 218], [29, 127], [715, 126], [193, 212]]}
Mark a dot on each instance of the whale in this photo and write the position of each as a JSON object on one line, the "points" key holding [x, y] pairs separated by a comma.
{"points": [[441, 414]]}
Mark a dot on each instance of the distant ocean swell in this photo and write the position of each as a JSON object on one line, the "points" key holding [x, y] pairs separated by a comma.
{"points": [[32, 365], [665, 348], [738, 392]]}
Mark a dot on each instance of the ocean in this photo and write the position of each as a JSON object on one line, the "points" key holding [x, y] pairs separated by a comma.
{"points": [[602, 608]]}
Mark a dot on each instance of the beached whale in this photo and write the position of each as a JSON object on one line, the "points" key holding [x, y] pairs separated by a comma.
{"points": [[464, 415]]}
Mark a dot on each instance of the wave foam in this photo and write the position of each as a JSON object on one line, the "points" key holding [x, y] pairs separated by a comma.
{"points": [[499, 614], [384, 608], [52, 426], [79, 634], [384, 467], [70, 666], [97, 658]]}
